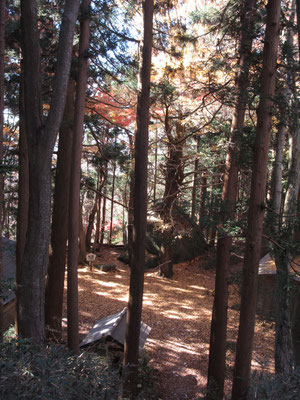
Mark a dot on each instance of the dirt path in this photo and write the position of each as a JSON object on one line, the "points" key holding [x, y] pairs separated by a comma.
{"points": [[178, 312]]}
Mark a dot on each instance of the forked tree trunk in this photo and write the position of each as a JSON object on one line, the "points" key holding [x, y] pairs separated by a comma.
{"points": [[217, 350], [242, 366], [74, 206], [59, 232], [133, 323], [41, 137]]}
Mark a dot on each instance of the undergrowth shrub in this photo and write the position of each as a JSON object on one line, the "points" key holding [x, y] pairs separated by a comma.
{"points": [[275, 387], [30, 371]]}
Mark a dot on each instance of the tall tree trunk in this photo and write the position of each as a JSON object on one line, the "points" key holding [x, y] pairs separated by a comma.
{"points": [[112, 203], [23, 191], [90, 227], [133, 323], [59, 232], [217, 350], [283, 340], [103, 209], [242, 366], [41, 137], [82, 246], [174, 178], [203, 195], [296, 330], [2, 47], [155, 167], [195, 182], [74, 206]]}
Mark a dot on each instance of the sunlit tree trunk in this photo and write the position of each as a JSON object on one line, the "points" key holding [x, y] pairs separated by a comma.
{"points": [[217, 351], [74, 206], [242, 366], [133, 323]]}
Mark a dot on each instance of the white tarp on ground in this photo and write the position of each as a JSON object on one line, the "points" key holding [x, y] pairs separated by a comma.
{"points": [[114, 326]]}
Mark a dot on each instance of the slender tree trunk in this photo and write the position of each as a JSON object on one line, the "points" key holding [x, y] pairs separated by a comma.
{"points": [[41, 137], [59, 232], [2, 47], [90, 227], [103, 209], [82, 246], [98, 220], [256, 206], [217, 351], [155, 167], [174, 178], [23, 191], [203, 195], [195, 182], [74, 206], [133, 323], [296, 330], [112, 203]]}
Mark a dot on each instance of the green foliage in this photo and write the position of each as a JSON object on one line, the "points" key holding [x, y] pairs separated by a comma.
{"points": [[30, 371], [269, 387]]}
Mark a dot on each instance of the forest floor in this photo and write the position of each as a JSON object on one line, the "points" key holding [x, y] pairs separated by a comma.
{"points": [[179, 313]]}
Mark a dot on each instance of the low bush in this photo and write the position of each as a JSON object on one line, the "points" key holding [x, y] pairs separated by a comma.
{"points": [[274, 387], [29, 371]]}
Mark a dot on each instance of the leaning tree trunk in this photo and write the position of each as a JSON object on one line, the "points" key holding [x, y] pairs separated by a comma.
{"points": [[242, 366], [41, 137], [133, 323], [217, 350], [59, 231], [74, 205]]}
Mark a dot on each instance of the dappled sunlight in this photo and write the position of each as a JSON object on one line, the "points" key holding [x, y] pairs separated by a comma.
{"points": [[178, 312]]}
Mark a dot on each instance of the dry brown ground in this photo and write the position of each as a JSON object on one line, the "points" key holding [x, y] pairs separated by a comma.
{"points": [[178, 312]]}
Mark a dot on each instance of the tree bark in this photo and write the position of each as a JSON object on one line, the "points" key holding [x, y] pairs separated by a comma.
{"points": [[23, 191], [59, 232], [88, 236], [2, 47], [217, 351], [195, 182], [256, 206], [74, 206], [41, 137], [133, 323], [283, 340], [112, 203], [174, 177]]}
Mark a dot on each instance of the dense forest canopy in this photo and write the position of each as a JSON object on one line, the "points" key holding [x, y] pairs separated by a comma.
{"points": [[170, 128]]}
